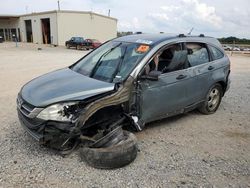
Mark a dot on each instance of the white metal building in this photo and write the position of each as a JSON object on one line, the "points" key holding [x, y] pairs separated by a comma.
{"points": [[55, 27]]}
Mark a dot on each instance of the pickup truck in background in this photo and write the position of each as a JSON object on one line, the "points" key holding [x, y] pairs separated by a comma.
{"points": [[78, 43]]}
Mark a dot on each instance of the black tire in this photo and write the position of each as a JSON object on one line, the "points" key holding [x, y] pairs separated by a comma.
{"points": [[213, 100], [111, 138], [115, 156]]}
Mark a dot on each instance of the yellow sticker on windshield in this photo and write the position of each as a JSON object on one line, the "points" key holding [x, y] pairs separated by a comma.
{"points": [[142, 48]]}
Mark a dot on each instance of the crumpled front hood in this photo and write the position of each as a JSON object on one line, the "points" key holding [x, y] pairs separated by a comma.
{"points": [[62, 85]]}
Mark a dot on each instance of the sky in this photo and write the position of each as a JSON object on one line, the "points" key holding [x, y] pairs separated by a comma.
{"points": [[215, 18]]}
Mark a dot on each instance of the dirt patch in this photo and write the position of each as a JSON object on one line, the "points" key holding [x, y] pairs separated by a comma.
{"points": [[240, 135]]}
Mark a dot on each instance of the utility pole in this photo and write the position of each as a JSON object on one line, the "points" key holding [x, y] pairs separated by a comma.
{"points": [[58, 4], [109, 13]]}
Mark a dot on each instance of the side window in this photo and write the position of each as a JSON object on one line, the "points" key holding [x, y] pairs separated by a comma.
{"points": [[171, 58], [73, 38], [216, 53], [197, 54]]}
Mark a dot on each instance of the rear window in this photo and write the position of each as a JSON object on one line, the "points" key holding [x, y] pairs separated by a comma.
{"points": [[197, 54], [79, 39], [216, 53]]}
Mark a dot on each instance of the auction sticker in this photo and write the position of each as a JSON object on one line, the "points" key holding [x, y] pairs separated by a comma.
{"points": [[142, 48]]}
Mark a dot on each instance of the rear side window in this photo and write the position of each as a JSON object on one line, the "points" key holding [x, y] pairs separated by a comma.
{"points": [[216, 53], [197, 54]]}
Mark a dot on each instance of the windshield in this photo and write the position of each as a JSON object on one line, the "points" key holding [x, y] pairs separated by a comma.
{"points": [[113, 59], [79, 39]]}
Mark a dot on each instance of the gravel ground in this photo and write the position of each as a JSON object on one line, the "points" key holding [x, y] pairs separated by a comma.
{"points": [[190, 150]]}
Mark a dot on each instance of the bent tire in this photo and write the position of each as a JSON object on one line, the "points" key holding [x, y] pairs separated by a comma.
{"points": [[111, 157], [212, 101], [111, 138]]}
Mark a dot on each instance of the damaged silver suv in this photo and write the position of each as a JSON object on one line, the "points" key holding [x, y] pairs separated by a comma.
{"points": [[136, 78]]}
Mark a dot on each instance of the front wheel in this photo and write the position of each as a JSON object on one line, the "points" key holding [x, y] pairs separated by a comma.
{"points": [[78, 47], [212, 101]]}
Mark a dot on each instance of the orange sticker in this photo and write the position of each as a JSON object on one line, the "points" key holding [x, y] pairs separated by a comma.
{"points": [[142, 48]]}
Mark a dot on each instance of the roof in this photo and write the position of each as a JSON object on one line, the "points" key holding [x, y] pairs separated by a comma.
{"points": [[8, 16], [150, 39], [153, 39], [68, 11]]}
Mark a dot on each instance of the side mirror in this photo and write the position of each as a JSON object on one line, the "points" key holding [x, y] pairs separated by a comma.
{"points": [[117, 79], [153, 75]]}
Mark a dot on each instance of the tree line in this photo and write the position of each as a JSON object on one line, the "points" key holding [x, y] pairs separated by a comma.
{"points": [[234, 40]]}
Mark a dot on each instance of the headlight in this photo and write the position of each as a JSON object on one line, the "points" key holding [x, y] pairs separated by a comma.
{"points": [[57, 112]]}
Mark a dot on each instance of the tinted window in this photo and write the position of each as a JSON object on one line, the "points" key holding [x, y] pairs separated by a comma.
{"points": [[216, 53], [176, 58], [79, 39], [197, 54], [172, 58]]}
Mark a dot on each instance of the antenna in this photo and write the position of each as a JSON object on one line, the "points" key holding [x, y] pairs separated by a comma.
{"points": [[189, 33], [26, 9], [58, 5]]}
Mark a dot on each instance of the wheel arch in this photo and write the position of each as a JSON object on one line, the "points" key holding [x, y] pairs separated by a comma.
{"points": [[223, 86]]}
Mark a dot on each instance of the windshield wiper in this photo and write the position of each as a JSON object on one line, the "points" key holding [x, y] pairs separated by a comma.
{"points": [[98, 63]]}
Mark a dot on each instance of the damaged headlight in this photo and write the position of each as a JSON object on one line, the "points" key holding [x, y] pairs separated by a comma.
{"points": [[58, 112]]}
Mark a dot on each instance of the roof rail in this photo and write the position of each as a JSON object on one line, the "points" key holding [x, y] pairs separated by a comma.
{"points": [[201, 35], [181, 35]]}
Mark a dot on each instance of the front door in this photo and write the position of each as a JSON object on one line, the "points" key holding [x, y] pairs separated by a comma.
{"points": [[168, 95]]}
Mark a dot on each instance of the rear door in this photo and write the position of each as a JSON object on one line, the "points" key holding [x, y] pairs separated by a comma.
{"points": [[200, 67]]}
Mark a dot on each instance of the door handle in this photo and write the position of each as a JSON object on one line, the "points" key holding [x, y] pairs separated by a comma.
{"points": [[210, 68], [181, 76]]}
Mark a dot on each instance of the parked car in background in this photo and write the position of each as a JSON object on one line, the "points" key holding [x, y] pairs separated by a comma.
{"points": [[1, 39], [78, 43], [246, 49], [226, 47], [236, 48], [94, 43]]}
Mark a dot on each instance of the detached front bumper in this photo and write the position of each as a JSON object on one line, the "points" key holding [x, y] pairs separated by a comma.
{"points": [[44, 131]]}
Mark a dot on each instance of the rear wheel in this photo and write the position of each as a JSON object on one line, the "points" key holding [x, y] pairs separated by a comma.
{"points": [[213, 100]]}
